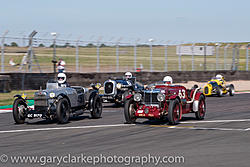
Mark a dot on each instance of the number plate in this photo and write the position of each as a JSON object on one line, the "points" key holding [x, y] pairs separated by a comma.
{"points": [[35, 115]]}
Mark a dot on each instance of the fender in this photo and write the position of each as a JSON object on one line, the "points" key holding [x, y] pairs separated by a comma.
{"points": [[20, 97], [198, 94], [129, 96], [172, 97], [196, 101], [63, 96]]}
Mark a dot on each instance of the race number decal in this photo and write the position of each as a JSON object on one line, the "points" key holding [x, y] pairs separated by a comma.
{"points": [[182, 94]]}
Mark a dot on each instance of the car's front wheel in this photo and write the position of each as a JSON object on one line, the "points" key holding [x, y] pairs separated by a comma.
{"points": [[219, 91], [19, 108], [200, 114], [129, 111], [63, 111], [96, 111], [174, 111], [231, 90]]}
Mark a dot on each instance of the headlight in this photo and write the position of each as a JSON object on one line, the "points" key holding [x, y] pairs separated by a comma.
{"points": [[137, 97], [160, 97], [52, 95], [119, 86]]}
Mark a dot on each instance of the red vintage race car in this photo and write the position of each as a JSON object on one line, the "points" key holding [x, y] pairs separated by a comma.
{"points": [[161, 101]]}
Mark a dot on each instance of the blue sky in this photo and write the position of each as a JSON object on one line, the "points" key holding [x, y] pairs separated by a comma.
{"points": [[163, 20]]}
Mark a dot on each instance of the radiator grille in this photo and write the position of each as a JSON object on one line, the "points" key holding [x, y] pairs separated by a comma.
{"points": [[41, 101], [108, 87], [150, 98], [206, 90]]}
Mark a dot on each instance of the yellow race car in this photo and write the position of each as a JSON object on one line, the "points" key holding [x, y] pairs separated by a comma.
{"points": [[217, 86]]}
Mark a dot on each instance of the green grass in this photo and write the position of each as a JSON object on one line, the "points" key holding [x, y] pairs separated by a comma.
{"points": [[88, 59], [8, 98]]}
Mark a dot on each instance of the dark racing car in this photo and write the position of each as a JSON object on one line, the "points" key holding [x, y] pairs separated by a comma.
{"points": [[59, 103], [116, 89], [164, 101]]}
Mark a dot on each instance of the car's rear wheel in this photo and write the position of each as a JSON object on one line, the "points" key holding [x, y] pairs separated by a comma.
{"points": [[19, 108], [200, 114], [174, 112], [129, 111], [96, 111], [63, 111], [231, 90]]}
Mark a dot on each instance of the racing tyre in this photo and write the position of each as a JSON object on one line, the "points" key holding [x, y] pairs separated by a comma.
{"points": [[219, 91], [200, 114], [174, 112], [129, 112], [19, 108], [96, 111], [63, 111], [126, 93], [231, 90]]}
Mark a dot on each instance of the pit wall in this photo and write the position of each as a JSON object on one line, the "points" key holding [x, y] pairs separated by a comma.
{"points": [[33, 81]]}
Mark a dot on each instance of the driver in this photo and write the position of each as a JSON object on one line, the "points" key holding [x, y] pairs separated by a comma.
{"points": [[128, 75], [61, 79], [220, 78], [167, 80]]}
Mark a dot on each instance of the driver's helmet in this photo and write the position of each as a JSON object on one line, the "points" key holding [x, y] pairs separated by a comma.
{"points": [[168, 80], [220, 77], [61, 78], [128, 75]]}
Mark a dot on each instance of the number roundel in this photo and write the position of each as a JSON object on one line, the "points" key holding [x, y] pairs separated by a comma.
{"points": [[182, 93]]}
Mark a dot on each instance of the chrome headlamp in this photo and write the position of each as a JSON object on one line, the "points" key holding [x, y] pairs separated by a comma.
{"points": [[161, 97], [119, 86], [52, 95], [137, 97]]}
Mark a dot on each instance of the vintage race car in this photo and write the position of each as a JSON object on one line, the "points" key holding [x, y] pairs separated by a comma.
{"points": [[217, 86], [161, 101], [116, 89], [59, 103]]}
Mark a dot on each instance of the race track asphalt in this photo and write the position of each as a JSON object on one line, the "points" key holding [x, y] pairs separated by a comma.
{"points": [[221, 139]]}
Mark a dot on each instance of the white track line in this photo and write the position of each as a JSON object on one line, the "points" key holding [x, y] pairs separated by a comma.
{"points": [[8, 111], [221, 129], [215, 121], [201, 128], [5, 111], [241, 92], [65, 128]]}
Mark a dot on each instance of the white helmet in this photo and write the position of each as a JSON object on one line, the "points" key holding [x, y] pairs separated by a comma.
{"points": [[128, 75], [219, 76], [61, 78], [168, 80]]}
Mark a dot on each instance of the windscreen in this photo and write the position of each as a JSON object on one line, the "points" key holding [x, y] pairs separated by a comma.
{"points": [[51, 84]]}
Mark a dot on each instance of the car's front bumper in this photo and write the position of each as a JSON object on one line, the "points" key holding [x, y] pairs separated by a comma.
{"points": [[149, 111], [108, 98]]}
